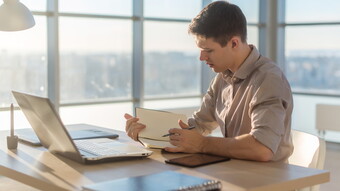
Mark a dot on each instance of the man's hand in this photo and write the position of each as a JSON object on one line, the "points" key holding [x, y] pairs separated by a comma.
{"points": [[241, 147], [188, 141], [132, 127]]}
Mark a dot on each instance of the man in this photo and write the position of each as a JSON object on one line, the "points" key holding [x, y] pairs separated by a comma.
{"points": [[249, 99]]}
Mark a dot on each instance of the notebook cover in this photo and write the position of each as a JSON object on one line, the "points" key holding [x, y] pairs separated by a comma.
{"points": [[167, 180]]}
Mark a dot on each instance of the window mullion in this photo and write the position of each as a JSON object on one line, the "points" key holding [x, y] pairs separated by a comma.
{"points": [[137, 55], [53, 81]]}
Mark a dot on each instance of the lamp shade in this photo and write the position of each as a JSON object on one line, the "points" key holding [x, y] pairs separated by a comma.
{"points": [[15, 16]]}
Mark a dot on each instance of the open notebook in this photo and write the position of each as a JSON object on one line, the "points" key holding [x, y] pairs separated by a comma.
{"points": [[157, 124], [53, 135]]}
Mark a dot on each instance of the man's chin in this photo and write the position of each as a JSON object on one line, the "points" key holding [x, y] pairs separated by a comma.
{"points": [[215, 70]]}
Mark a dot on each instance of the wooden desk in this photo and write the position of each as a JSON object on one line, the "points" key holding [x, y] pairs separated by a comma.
{"points": [[36, 167]]}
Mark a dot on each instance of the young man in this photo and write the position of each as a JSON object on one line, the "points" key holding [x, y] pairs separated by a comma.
{"points": [[249, 99]]}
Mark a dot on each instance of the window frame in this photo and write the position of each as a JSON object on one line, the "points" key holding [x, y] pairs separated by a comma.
{"points": [[53, 61]]}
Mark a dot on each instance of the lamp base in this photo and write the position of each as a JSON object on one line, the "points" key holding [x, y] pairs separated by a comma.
{"points": [[12, 142]]}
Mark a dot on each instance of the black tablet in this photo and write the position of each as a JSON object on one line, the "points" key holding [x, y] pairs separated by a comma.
{"points": [[196, 160]]}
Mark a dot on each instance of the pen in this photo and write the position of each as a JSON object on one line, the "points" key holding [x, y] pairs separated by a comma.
{"points": [[189, 128]]}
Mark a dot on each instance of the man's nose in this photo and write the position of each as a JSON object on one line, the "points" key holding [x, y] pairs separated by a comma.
{"points": [[203, 56]]}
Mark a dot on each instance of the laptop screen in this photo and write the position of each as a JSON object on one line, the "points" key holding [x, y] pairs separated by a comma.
{"points": [[47, 125]]}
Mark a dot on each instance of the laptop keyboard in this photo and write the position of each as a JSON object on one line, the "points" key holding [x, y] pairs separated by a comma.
{"points": [[95, 148]]}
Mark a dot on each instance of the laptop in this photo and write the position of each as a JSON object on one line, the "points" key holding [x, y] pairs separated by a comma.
{"points": [[54, 136]]}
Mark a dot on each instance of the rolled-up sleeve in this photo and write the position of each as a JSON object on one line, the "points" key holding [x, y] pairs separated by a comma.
{"points": [[268, 110]]}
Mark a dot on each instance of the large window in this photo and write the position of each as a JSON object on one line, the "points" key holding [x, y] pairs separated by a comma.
{"points": [[23, 61], [171, 65], [94, 64], [84, 56], [312, 46], [312, 59], [171, 60]]}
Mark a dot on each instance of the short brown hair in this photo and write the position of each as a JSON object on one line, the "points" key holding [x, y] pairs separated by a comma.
{"points": [[221, 21]]}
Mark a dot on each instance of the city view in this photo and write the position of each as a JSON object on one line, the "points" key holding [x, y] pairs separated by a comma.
{"points": [[314, 71], [101, 76]]}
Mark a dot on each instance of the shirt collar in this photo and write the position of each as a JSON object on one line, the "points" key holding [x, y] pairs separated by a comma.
{"points": [[245, 69]]}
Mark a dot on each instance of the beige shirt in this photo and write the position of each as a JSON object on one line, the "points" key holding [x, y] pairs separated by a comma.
{"points": [[256, 100]]}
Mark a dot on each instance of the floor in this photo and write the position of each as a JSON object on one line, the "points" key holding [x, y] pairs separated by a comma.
{"points": [[332, 164]]}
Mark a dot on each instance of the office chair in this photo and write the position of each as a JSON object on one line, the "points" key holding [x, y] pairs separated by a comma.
{"points": [[309, 151]]}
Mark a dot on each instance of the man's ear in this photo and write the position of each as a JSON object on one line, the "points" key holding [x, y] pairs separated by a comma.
{"points": [[234, 42], [233, 45]]}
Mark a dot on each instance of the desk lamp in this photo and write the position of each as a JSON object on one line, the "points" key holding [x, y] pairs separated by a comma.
{"points": [[14, 16]]}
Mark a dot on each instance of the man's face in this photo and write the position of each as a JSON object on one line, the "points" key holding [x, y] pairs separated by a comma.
{"points": [[218, 58]]}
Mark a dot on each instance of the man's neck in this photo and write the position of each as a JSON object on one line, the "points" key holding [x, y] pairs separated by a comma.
{"points": [[245, 50]]}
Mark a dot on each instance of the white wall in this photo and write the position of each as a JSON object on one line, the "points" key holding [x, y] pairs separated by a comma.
{"points": [[304, 114]]}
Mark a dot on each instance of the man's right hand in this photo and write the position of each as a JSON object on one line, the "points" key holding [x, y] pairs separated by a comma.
{"points": [[132, 127]]}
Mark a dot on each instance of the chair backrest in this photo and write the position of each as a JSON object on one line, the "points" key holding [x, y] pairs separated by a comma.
{"points": [[309, 151]]}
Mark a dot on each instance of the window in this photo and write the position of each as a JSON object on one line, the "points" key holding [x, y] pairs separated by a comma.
{"points": [[23, 61], [95, 58], [312, 53], [313, 11], [94, 53], [250, 9], [35, 5], [171, 60], [99, 7], [312, 59], [174, 9], [312, 62]]}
